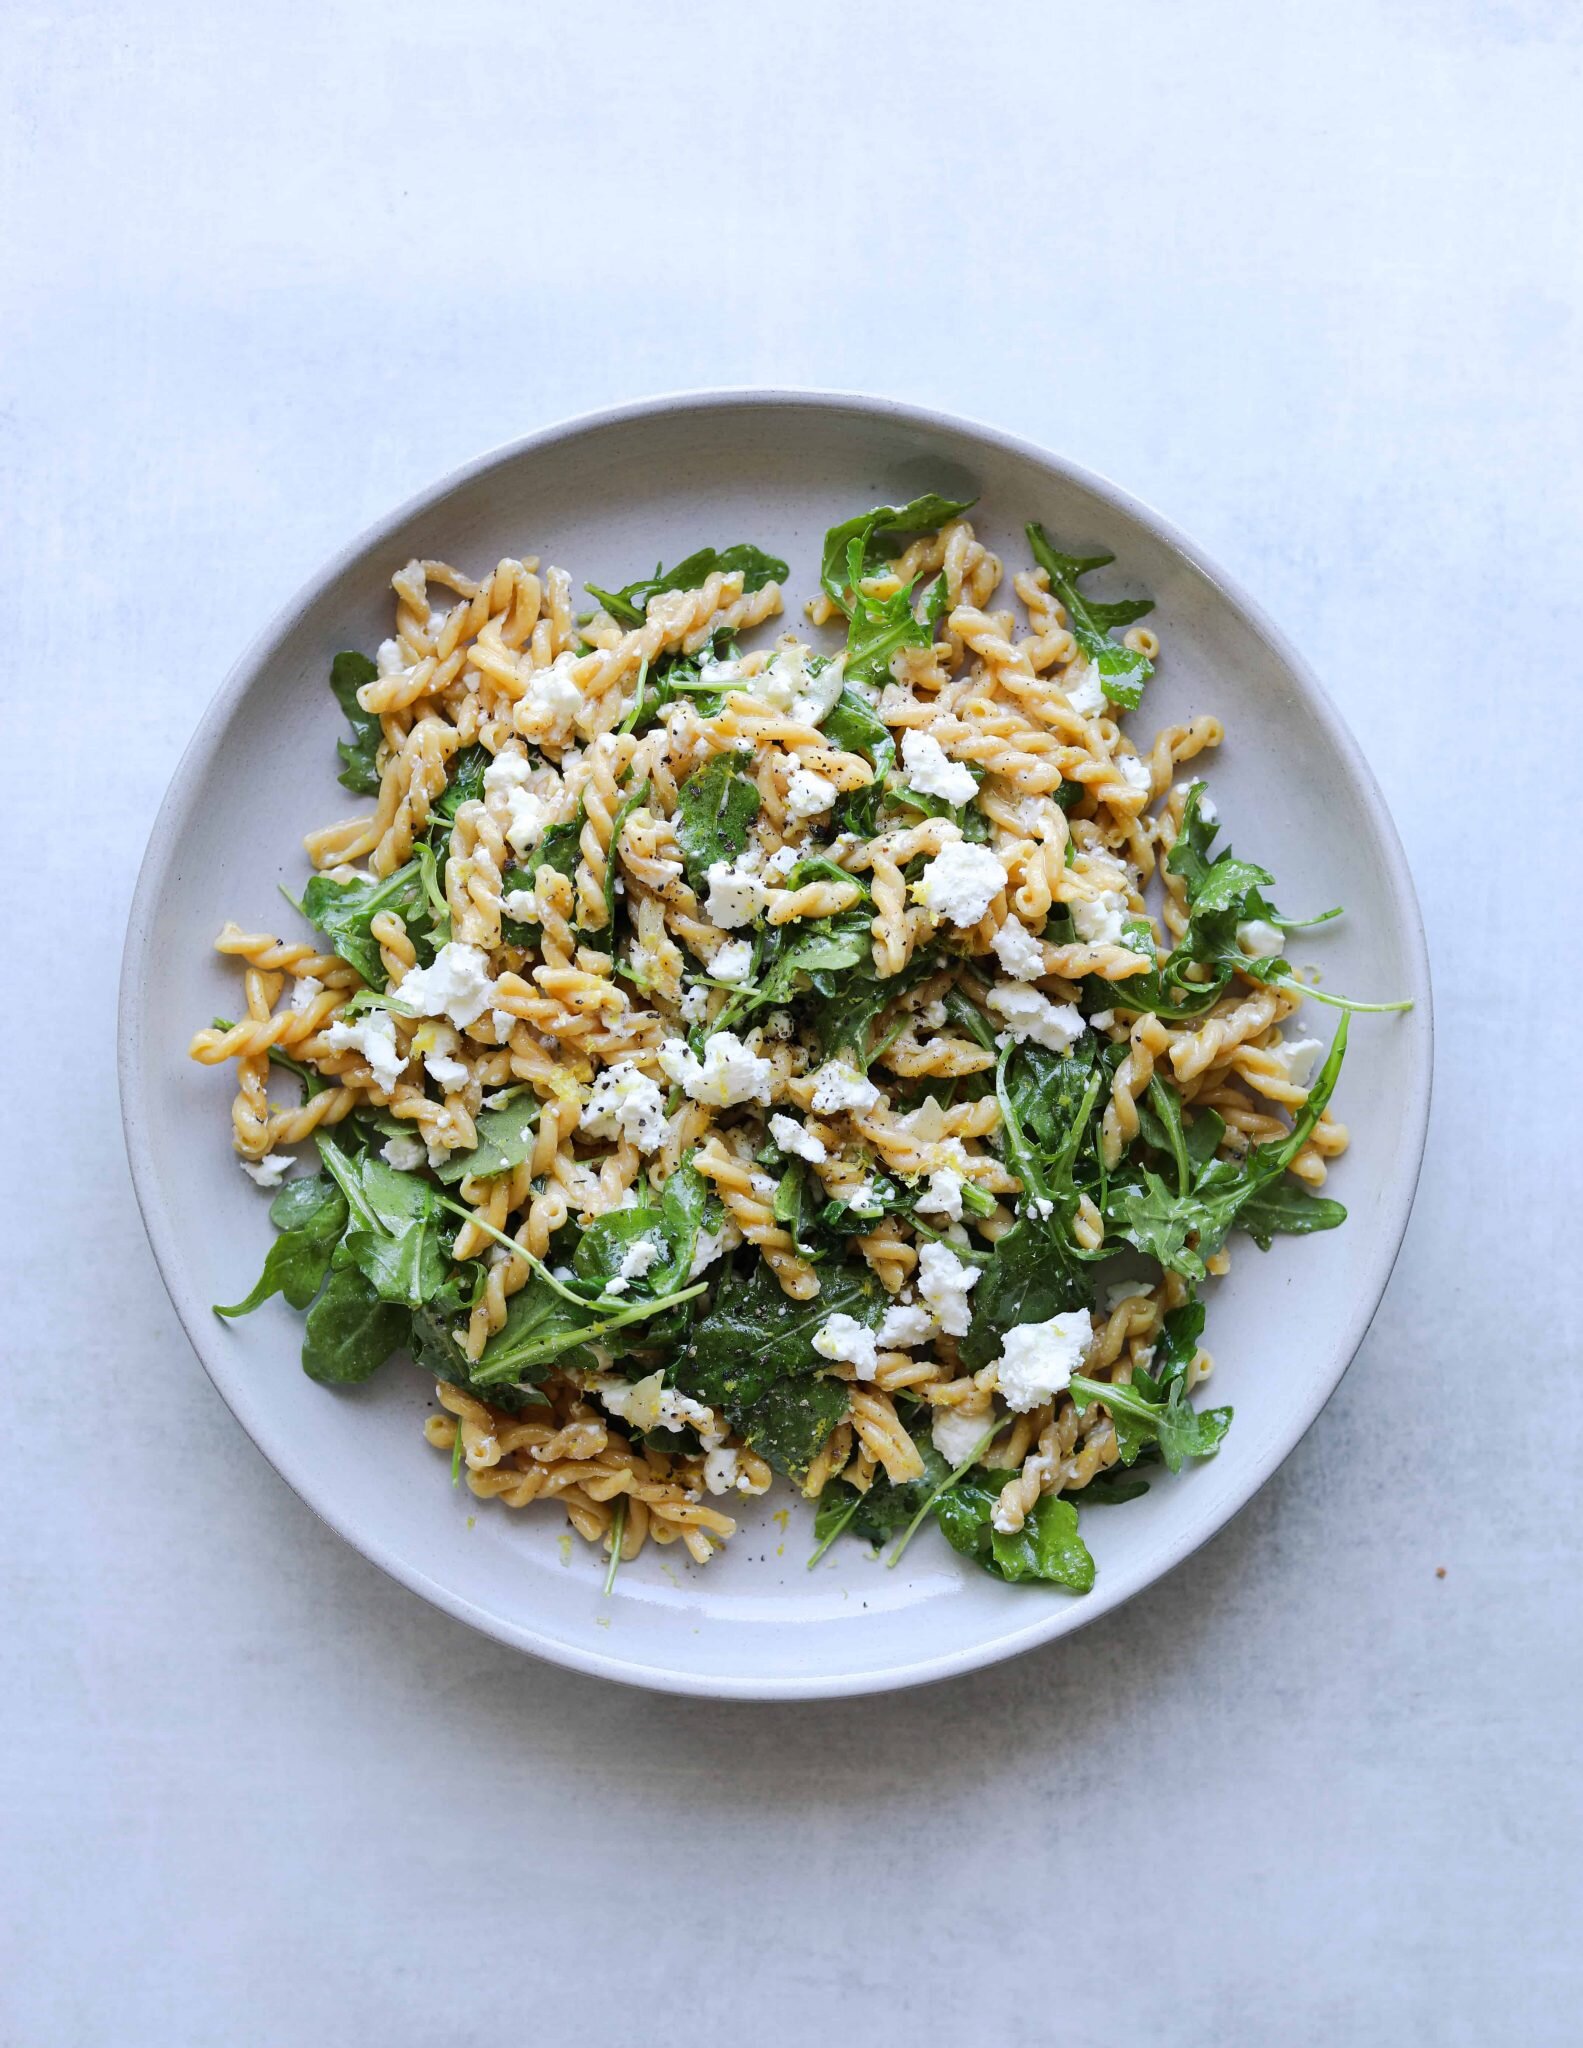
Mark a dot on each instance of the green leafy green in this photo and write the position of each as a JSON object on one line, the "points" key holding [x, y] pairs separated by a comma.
{"points": [[629, 607], [505, 1138], [465, 783], [310, 1214], [879, 535], [1180, 1430], [715, 810], [1046, 1548], [344, 911], [1122, 670], [350, 1330], [1286, 1209], [560, 849], [789, 1421], [359, 769]]}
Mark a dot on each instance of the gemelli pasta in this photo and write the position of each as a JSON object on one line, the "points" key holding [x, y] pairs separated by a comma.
{"points": [[723, 1057]]}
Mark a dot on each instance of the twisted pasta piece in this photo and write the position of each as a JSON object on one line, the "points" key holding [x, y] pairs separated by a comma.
{"points": [[750, 1210]]}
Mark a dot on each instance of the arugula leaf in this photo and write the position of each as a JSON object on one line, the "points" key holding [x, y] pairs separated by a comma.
{"points": [[715, 810], [465, 783], [1180, 1430], [343, 911], [877, 627], [1046, 1548], [560, 849], [880, 534], [885, 1509], [435, 1344], [350, 1331], [790, 1420], [852, 726], [310, 1214], [541, 1328], [1029, 1278], [1285, 1209], [629, 607], [397, 1224], [359, 772], [1111, 1488], [505, 1138], [754, 1335], [1122, 671]]}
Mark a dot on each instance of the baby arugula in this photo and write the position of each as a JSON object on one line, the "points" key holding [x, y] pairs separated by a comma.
{"points": [[629, 607], [1122, 671], [359, 763]]}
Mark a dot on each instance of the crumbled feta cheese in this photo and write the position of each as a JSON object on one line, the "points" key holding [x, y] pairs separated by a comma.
{"points": [[389, 659], [1097, 919], [945, 1282], [733, 961], [1206, 809], [711, 1245], [625, 1103], [374, 1036], [782, 861], [503, 1023], [303, 991], [507, 778], [1102, 1020], [406, 1154], [943, 1196], [905, 1324], [718, 673], [789, 684], [1134, 772], [1124, 1290], [931, 1016], [694, 1004], [961, 882], [553, 698], [838, 1086], [736, 895], [639, 1256], [1084, 690], [1018, 951], [1027, 1014], [1258, 937], [1298, 1056], [1038, 1359], [723, 1471], [808, 794], [456, 986], [269, 1171], [844, 1338], [728, 1073], [778, 1027], [449, 1073], [793, 1139], [932, 772], [521, 904], [955, 1433], [648, 1404]]}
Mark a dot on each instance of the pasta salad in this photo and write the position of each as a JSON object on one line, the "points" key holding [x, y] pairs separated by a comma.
{"points": [[724, 1057]]}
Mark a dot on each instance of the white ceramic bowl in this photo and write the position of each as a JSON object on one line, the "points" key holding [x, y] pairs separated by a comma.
{"points": [[607, 497]]}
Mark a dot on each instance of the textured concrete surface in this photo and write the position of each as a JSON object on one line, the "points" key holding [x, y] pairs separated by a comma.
{"points": [[1307, 279]]}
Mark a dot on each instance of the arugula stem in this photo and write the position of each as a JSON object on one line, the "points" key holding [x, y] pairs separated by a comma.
{"points": [[456, 1455], [618, 1531], [857, 1502], [945, 1486], [1319, 995], [629, 723]]}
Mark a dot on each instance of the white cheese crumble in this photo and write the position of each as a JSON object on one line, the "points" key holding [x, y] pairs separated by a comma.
{"points": [[1097, 920], [729, 1072], [521, 904], [838, 1086], [1124, 1290], [449, 1073], [723, 1472], [711, 1245], [961, 882], [735, 893], [792, 1138], [1135, 773], [945, 1283], [955, 1434], [1259, 938], [374, 1036], [406, 1154], [733, 961], [844, 1338], [625, 1103], [1084, 691], [1027, 1014], [503, 1023], [932, 772], [1018, 951], [808, 794], [1041, 1207], [1038, 1359], [1102, 1020], [303, 991], [943, 1196], [269, 1171], [507, 779], [456, 986], [694, 1005], [782, 861], [553, 698], [647, 1404], [905, 1325], [1299, 1057]]}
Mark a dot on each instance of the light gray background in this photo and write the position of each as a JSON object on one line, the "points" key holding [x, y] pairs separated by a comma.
{"points": [[1306, 278]]}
